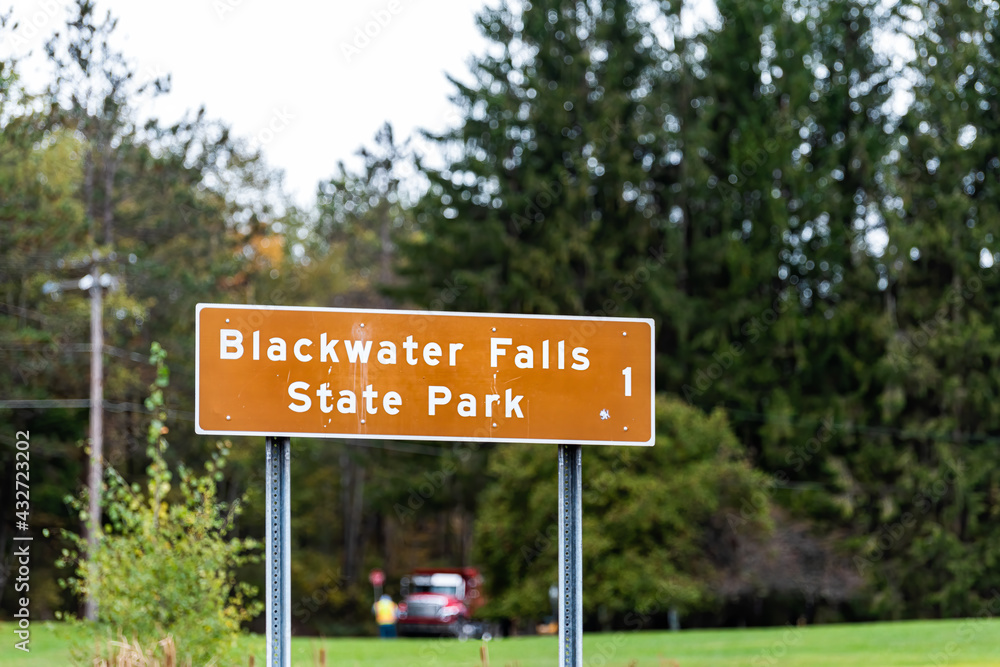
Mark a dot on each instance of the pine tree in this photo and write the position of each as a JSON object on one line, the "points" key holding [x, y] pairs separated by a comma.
{"points": [[545, 207], [361, 216], [938, 277]]}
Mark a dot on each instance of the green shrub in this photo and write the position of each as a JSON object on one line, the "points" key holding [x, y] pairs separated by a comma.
{"points": [[165, 562]]}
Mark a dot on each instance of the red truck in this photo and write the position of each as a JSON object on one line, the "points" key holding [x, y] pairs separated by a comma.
{"points": [[441, 602]]}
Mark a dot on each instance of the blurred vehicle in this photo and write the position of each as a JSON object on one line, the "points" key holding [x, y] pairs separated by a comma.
{"points": [[441, 602]]}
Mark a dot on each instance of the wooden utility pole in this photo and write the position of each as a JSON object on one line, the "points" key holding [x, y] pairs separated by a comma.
{"points": [[96, 425], [93, 283]]}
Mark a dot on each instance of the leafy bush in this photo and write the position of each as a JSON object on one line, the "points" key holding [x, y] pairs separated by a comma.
{"points": [[165, 562], [654, 520]]}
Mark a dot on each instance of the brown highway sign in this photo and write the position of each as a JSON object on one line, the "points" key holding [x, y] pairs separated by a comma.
{"points": [[419, 375]]}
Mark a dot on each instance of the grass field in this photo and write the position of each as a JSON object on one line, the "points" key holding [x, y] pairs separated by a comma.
{"points": [[961, 643]]}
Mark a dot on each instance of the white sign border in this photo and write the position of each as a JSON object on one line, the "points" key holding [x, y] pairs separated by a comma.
{"points": [[433, 313]]}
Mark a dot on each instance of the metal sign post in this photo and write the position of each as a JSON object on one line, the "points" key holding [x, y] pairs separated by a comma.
{"points": [[278, 556], [570, 556]]}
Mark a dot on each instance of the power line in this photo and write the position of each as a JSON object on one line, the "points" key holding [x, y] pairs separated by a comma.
{"points": [[46, 404], [851, 427], [79, 347], [15, 404], [24, 312], [406, 448], [53, 403]]}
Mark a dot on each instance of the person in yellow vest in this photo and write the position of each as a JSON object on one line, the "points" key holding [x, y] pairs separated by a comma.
{"points": [[386, 613]]}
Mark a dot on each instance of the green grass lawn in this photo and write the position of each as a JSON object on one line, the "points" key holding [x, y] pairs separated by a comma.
{"points": [[954, 643]]}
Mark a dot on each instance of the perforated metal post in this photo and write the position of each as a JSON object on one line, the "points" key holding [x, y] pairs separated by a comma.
{"points": [[278, 556], [570, 556]]}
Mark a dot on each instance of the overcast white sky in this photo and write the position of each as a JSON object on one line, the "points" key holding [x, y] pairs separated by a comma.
{"points": [[294, 76]]}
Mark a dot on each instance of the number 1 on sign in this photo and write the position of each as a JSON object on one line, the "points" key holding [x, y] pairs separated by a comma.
{"points": [[627, 372]]}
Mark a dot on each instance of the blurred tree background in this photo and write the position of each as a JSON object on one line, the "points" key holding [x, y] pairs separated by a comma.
{"points": [[810, 217]]}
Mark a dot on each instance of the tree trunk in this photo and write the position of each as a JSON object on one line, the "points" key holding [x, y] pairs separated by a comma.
{"points": [[88, 191], [352, 487], [110, 167]]}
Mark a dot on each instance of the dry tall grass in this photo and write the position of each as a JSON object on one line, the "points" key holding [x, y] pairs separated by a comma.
{"points": [[123, 653]]}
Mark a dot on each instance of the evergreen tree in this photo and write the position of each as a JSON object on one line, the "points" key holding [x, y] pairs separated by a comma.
{"points": [[938, 276], [545, 207], [41, 223], [176, 213], [361, 215], [780, 110], [151, 195]]}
